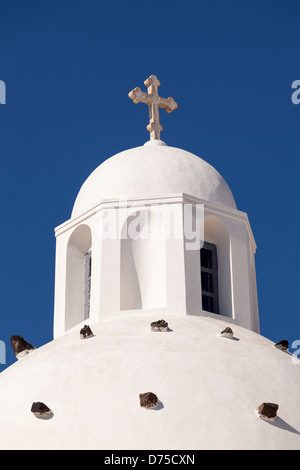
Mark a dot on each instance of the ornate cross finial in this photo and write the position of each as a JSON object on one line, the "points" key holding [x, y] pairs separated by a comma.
{"points": [[154, 102]]}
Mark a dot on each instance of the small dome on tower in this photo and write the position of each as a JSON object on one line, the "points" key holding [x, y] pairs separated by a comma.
{"points": [[152, 170]]}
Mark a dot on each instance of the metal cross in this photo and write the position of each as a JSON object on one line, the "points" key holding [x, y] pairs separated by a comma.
{"points": [[154, 102]]}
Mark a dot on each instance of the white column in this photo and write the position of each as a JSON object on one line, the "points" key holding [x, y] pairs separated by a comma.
{"points": [[240, 279], [60, 284], [175, 259]]}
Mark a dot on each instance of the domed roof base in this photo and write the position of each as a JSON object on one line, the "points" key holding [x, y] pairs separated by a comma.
{"points": [[152, 170], [209, 387]]}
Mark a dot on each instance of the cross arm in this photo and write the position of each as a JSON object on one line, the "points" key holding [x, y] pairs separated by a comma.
{"points": [[168, 104], [137, 96]]}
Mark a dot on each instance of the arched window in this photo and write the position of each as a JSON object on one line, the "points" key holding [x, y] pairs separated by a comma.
{"points": [[78, 276]]}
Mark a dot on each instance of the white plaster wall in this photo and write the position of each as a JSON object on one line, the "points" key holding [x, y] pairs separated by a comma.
{"points": [[143, 262], [146, 273]]}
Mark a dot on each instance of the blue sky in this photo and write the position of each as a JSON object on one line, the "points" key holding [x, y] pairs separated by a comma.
{"points": [[68, 67]]}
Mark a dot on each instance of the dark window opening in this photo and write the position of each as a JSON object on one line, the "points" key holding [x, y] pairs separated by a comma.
{"points": [[209, 277]]}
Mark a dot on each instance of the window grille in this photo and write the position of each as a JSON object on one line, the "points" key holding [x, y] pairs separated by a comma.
{"points": [[209, 278]]}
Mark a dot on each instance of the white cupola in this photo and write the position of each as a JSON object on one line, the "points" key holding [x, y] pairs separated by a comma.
{"points": [[134, 243]]}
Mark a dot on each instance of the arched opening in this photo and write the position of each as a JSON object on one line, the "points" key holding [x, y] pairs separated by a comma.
{"points": [[216, 238], [143, 262], [78, 276]]}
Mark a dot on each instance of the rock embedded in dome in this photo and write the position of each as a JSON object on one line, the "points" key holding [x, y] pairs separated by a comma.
{"points": [[153, 170], [282, 345], [268, 411], [20, 346], [40, 410], [148, 400], [86, 332], [227, 332], [159, 325]]}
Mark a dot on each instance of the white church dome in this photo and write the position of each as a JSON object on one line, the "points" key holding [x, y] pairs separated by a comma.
{"points": [[209, 388], [152, 170]]}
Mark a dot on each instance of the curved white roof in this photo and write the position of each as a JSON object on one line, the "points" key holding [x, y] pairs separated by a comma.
{"points": [[154, 169], [209, 386]]}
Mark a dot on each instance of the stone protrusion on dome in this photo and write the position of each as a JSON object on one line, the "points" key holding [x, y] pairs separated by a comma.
{"points": [[283, 345], [268, 411], [149, 400], [159, 325], [40, 410], [20, 346], [86, 332], [227, 332]]}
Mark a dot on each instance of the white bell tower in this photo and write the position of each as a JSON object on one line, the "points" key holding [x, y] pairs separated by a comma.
{"points": [[127, 248]]}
